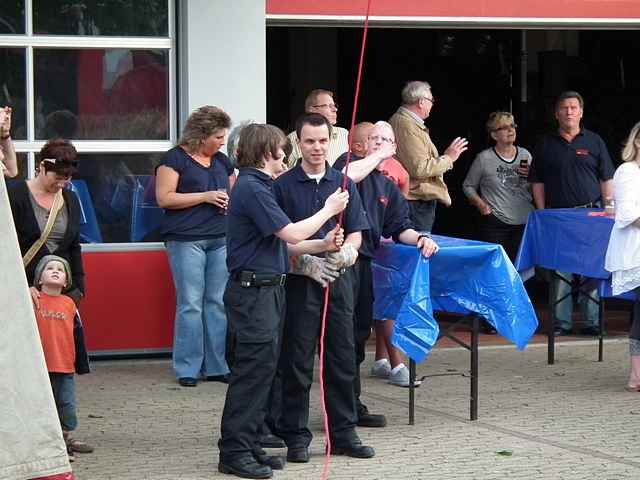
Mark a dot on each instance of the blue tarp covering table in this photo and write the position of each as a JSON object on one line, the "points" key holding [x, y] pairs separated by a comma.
{"points": [[570, 240], [465, 276], [566, 239]]}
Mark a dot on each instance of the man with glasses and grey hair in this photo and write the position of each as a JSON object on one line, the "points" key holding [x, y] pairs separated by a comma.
{"points": [[321, 101], [420, 157]]}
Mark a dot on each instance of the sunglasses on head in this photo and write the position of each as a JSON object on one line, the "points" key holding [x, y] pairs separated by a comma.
{"points": [[61, 163]]}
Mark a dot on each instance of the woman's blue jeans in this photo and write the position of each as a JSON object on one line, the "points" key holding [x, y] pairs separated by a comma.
{"points": [[200, 275]]}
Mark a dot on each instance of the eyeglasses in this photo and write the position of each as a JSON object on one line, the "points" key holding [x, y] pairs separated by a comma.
{"points": [[506, 127], [330, 106], [432, 100], [376, 138]]}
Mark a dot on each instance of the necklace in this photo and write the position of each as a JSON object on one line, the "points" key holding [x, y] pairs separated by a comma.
{"points": [[199, 158]]}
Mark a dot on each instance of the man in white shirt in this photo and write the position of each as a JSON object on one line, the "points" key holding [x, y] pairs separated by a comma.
{"points": [[321, 101]]}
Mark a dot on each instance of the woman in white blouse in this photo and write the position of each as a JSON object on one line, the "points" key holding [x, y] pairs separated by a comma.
{"points": [[623, 252]]}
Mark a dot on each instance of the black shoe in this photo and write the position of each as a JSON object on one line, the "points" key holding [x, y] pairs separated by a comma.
{"points": [[218, 378], [271, 441], [275, 462], [355, 450], [298, 454], [590, 331], [561, 332], [188, 381], [245, 467], [372, 420]]}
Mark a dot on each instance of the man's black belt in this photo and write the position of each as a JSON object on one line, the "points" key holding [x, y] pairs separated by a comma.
{"points": [[247, 278], [594, 204]]}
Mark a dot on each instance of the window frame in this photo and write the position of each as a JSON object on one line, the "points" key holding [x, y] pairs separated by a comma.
{"points": [[30, 42]]}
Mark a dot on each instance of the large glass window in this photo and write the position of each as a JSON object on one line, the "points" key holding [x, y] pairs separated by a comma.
{"points": [[100, 73], [102, 94], [101, 17], [23, 166], [117, 194], [13, 88], [12, 17]]}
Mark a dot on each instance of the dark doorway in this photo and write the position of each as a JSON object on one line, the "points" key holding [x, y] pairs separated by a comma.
{"points": [[472, 73]]}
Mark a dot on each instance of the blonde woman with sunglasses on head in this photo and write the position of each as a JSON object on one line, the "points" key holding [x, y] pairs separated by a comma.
{"points": [[497, 185]]}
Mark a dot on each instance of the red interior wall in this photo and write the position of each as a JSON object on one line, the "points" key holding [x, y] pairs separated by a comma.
{"points": [[130, 301]]}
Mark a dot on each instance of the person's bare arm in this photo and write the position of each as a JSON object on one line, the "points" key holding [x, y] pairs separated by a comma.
{"points": [[360, 169], [606, 190], [354, 238], [330, 243], [294, 233], [167, 197], [10, 159], [537, 190], [425, 244]]}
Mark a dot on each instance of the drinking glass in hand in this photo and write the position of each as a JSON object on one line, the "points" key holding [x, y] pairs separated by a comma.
{"points": [[223, 210]]}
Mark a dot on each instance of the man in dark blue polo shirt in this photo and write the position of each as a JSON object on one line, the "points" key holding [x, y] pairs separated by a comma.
{"points": [[300, 192], [257, 235], [388, 213], [571, 168]]}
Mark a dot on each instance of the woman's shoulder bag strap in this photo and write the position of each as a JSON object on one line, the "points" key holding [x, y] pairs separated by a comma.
{"points": [[58, 202]]}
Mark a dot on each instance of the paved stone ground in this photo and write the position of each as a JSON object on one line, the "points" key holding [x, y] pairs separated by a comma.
{"points": [[572, 420]]}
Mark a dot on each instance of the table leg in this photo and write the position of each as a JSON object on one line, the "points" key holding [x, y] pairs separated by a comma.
{"points": [[551, 337], [475, 334], [600, 328], [412, 391]]}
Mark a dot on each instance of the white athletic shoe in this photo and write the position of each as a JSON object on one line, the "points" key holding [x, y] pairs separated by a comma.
{"points": [[400, 378], [381, 368]]}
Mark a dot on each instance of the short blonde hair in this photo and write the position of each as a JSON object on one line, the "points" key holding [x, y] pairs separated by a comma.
{"points": [[630, 150], [496, 118]]}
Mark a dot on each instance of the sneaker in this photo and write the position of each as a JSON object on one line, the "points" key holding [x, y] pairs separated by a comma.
{"points": [[77, 446], [381, 368], [400, 378]]}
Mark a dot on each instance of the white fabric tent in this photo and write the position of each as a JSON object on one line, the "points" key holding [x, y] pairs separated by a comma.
{"points": [[31, 444]]}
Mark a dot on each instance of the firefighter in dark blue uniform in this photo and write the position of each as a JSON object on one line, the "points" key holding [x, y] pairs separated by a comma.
{"points": [[257, 235], [300, 192]]}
